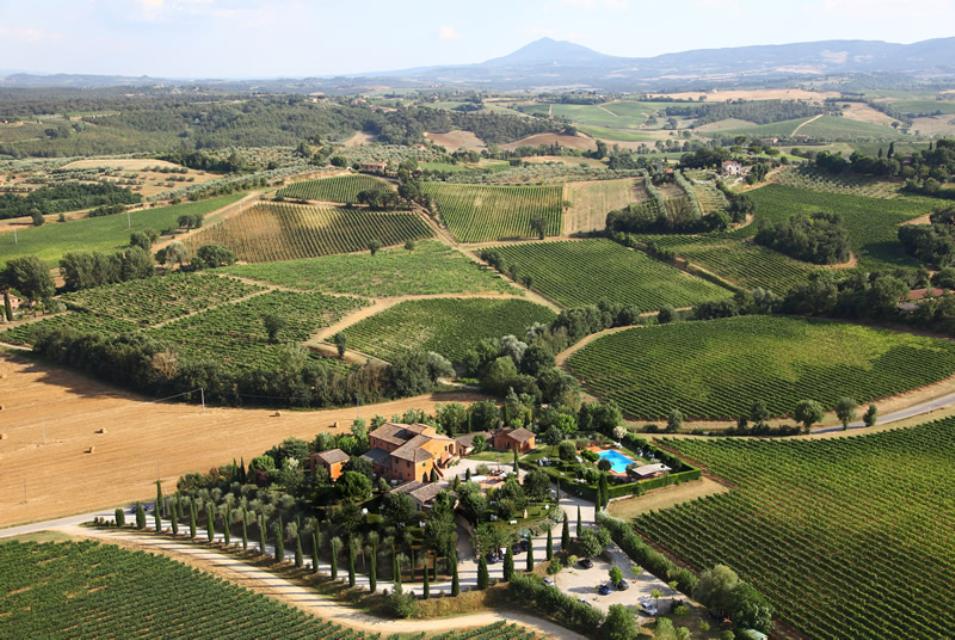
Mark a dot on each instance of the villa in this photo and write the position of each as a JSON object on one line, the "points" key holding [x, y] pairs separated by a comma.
{"points": [[409, 452]]}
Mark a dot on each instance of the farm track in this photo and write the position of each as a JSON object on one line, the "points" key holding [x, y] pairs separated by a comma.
{"points": [[244, 298], [803, 124], [215, 217]]}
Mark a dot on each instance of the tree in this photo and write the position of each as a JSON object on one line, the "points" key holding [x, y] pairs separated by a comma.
{"points": [[807, 413], [750, 609], [174, 517], [619, 624], [715, 588], [192, 520], [455, 582], [262, 534], [538, 226], [616, 575], [351, 562], [340, 341], [665, 315], [119, 517], [508, 564], [674, 421], [374, 246], [373, 562], [173, 253], [157, 508], [529, 567], [278, 530], [140, 516], [580, 523], [37, 218], [758, 412], [336, 549], [483, 577], [245, 529], [212, 256], [299, 554], [565, 534], [870, 416], [29, 277], [549, 549], [567, 451], [7, 303], [426, 587], [514, 464], [273, 325], [846, 411]]}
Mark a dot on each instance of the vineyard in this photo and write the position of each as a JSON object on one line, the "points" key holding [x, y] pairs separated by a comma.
{"points": [[85, 590], [587, 271], [270, 232], [744, 264], [234, 334], [106, 233], [872, 223], [479, 213], [335, 189], [848, 537], [717, 369], [431, 267], [80, 322], [806, 177], [447, 326], [591, 201], [154, 300]]}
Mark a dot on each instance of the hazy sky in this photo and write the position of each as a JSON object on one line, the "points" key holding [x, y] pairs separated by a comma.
{"points": [[265, 38]]}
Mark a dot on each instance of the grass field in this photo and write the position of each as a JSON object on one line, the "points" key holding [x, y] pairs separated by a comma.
{"points": [[334, 189], [805, 177], [447, 326], [431, 267], [588, 271], [478, 213], [848, 538], [153, 300], [107, 233], [234, 334], [591, 201], [719, 368], [824, 127], [269, 232], [872, 223]]}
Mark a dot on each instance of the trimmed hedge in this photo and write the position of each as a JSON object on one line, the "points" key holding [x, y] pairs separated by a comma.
{"points": [[531, 592], [645, 555]]}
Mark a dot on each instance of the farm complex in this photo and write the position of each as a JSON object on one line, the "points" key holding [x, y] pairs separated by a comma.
{"points": [[559, 345]]}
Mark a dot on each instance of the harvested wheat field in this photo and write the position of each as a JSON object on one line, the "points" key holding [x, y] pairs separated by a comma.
{"points": [[581, 142], [51, 417], [456, 139], [591, 201], [751, 94], [864, 113]]}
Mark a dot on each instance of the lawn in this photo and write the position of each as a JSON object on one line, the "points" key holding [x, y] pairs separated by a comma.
{"points": [[106, 233], [447, 326], [716, 370], [588, 271], [478, 213], [847, 537], [431, 267]]}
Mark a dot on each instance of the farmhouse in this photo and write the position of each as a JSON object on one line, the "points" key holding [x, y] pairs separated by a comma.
{"points": [[520, 440], [408, 451], [650, 471], [464, 445], [332, 461], [423, 493], [732, 168], [373, 167]]}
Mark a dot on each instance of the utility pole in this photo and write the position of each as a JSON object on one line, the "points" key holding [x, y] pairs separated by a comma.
{"points": [[202, 394]]}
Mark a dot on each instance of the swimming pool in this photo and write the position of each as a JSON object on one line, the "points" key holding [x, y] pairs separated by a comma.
{"points": [[618, 461]]}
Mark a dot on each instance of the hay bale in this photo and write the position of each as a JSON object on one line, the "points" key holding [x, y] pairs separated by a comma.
{"points": [[3, 436], [101, 430], [277, 414], [335, 425], [89, 450]]}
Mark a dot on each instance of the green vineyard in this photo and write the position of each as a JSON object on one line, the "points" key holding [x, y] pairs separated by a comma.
{"points": [[717, 369], [588, 271], [80, 322], [479, 213], [335, 189], [447, 326], [88, 591], [848, 537], [431, 267], [805, 177], [270, 232]]}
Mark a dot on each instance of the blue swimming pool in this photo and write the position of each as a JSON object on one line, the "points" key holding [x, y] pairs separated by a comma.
{"points": [[618, 461]]}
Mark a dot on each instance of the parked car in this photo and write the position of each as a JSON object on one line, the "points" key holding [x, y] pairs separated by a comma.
{"points": [[493, 558], [648, 607], [585, 563], [604, 589], [520, 546], [549, 582], [623, 585]]}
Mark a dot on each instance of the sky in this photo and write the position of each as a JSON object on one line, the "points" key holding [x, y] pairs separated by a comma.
{"points": [[297, 38]]}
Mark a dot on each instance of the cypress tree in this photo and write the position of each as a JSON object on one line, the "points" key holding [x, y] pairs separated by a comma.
{"points": [[299, 554], [174, 516], [262, 534], [515, 459], [279, 540], [336, 547], [396, 570], [455, 583], [530, 554], [227, 525], [192, 520], [580, 523], [351, 563], [549, 552], [119, 517], [426, 588], [243, 477], [159, 501], [373, 563], [483, 579], [245, 529], [210, 522], [140, 516], [315, 548], [508, 564], [565, 534]]}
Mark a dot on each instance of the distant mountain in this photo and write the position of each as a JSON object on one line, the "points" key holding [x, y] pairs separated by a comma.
{"points": [[548, 64]]}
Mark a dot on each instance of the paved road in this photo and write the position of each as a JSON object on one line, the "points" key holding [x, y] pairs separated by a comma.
{"points": [[902, 414]]}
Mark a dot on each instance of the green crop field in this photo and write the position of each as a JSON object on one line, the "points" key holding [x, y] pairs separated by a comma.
{"points": [[588, 271], [717, 369], [106, 233], [334, 189], [154, 300], [87, 591], [848, 537], [448, 326], [742, 263], [234, 334], [270, 232], [805, 177], [618, 120], [431, 267], [872, 223], [478, 213]]}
